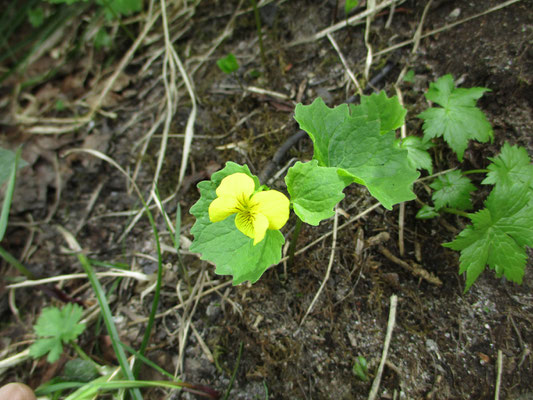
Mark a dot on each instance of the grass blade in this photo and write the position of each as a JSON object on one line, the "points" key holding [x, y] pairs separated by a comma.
{"points": [[9, 195], [104, 307]]}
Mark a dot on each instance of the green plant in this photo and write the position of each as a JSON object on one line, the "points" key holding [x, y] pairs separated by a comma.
{"points": [[56, 328], [349, 5], [9, 164], [500, 232], [357, 144], [221, 242], [314, 187], [458, 119], [228, 64], [360, 368]]}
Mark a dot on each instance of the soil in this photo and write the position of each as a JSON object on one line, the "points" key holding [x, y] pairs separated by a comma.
{"points": [[444, 344]]}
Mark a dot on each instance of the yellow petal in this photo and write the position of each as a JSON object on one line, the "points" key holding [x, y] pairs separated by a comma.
{"points": [[222, 207], [244, 223], [274, 206], [236, 185], [260, 228], [252, 226]]}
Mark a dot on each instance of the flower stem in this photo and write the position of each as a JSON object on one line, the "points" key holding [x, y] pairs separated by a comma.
{"points": [[292, 246]]}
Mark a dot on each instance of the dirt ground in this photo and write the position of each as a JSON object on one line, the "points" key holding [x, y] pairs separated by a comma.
{"points": [[444, 344]]}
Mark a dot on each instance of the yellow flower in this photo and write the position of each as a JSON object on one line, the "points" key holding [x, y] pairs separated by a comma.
{"points": [[256, 212]]}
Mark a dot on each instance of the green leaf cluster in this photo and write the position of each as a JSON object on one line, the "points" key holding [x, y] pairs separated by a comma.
{"points": [[498, 235], [417, 152], [55, 328], [223, 244], [458, 120], [512, 166], [500, 232], [228, 64], [452, 190], [351, 144]]}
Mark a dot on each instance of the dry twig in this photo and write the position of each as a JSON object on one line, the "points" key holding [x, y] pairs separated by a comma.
{"points": [[330, 264], [388, 336]]}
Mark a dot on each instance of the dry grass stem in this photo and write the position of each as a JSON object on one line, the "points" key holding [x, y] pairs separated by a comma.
{"points": [[71, 124], [266, 92], [14, 360], [90, 205], [346, 67], [390, 326], [499, 369], [179, 306], [371, 8], [354, 20], [446, 27], [186, 319], [113, 272], [321, 238], [330, 265]]}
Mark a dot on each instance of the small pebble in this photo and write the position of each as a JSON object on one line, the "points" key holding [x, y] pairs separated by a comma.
{"points": [[16, 391]]}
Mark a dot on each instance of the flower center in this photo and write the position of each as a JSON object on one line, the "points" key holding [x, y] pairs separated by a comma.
{"points": [[247, 208]]}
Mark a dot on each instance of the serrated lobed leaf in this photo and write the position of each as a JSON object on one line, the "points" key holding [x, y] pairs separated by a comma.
{"points": [[498, 235], [356, 145], [417, 152], [51, 346], [315, 190], [62, 324], [511, 166], [55, 327], [452, 190], [223, 244], [459, 120]]}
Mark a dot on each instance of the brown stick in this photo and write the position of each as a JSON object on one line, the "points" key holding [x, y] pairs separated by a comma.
{"points": [[415, 269]]}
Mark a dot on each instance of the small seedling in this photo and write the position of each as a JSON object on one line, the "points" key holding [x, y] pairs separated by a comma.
{"points": [[228, 64], [409, 76], [350, 5], [102, 39], [360, 368], [56, 328], [36, 16]]}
